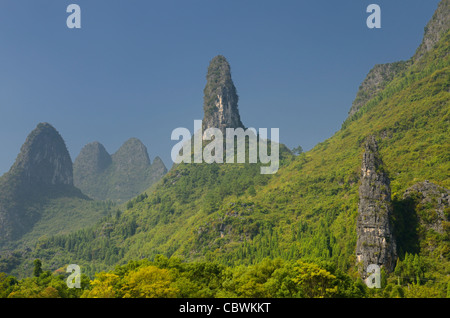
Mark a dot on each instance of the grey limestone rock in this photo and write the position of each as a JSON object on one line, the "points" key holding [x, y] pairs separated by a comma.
{"points": [[220, 97], [375, 240]]}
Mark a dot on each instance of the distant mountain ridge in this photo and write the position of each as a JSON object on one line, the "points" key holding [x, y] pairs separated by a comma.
{"points": [[118, 177], [38, 196]]}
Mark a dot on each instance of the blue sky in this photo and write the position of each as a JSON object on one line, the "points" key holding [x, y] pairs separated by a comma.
{"points": [[137, 68]]}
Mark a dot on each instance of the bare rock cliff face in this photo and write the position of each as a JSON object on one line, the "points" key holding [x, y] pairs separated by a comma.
{"points": [[220, 97], [375, 241]]}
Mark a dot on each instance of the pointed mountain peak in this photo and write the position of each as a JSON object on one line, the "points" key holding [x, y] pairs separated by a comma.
{"points": [[157, 169], [93, 159], [375, 240], [132, 154], [117, 177], [220, 98], [43, 158], [158, 161], [133, 142]]}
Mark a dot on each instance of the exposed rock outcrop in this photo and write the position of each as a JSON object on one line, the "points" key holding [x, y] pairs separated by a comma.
{"points": [[375, 240], [43, 159], [432, 203], [220, 97], [376, 80]]}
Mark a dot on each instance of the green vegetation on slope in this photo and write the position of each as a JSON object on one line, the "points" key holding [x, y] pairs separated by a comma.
{"points": [[232, 215]]}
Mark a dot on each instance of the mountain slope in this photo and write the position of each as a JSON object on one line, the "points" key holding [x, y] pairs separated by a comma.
{"points": [[43, 166], [308, 210], [37, 195]]}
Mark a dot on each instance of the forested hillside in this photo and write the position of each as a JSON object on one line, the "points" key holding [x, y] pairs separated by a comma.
{"points": [[211, 219]]}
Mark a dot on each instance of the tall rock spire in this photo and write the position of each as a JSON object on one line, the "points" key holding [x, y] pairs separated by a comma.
{"points": [[220, 97], [375, 240]]}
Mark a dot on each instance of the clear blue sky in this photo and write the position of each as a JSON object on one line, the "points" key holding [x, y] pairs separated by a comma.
{"points": [[137, 68]]}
